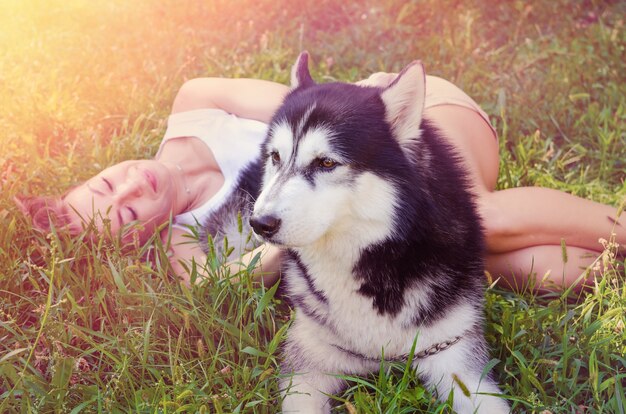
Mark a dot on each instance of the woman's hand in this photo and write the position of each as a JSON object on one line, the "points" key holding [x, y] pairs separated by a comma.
{"points": [[183, 250], [378, 79]]}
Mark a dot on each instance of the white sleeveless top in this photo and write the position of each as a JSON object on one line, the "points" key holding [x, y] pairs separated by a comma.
{"points": [[235, 142]]}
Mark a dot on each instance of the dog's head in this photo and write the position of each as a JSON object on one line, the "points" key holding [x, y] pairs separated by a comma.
{"points": [[334, 158]]}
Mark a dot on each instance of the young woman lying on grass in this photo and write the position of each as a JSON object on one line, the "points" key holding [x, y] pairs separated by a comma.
{"points": [[216, 128]]}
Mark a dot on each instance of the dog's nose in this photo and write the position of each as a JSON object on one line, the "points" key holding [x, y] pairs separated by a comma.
{"points": [[265, 226]]}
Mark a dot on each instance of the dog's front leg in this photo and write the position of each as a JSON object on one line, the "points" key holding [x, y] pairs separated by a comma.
{"points": [[307, 392], [459, 369], [310, 367]]}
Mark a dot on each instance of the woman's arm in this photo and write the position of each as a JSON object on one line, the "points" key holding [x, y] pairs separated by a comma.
{"points": [[183, 249], [246, 98]]}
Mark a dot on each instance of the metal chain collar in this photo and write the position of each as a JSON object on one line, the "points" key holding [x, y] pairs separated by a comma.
{"points": [[435, 349], [431, 350]]}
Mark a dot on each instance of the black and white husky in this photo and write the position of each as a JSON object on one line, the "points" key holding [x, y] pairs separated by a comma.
{"points": [[382, 242]]}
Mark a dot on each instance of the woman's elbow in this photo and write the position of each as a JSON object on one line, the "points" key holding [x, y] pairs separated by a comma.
{"points": [[196, 93]]}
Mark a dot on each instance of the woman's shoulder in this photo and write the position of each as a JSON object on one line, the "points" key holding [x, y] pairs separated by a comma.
{"points": [[219, 130]]}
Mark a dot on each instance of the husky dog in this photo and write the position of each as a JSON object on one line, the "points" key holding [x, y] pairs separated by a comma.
{"points": [[382, 242]]}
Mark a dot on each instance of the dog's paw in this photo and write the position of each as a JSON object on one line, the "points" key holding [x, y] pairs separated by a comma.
{"points": [[302, 406]]}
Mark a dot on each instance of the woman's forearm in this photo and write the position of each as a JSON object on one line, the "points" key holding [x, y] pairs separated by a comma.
{"points": [[246, 98], [183, 251], [267, 269]]}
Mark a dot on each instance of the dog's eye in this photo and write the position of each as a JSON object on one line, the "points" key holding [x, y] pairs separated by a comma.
{"points": [[275, 156], [327, 163]]}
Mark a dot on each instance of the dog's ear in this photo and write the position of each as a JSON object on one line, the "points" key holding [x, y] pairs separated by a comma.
{"points": [[300, 76], [404, 102]]}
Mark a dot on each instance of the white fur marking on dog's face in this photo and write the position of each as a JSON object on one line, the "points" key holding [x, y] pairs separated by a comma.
{"points": [[314, 144], [305, 211], [340, 204], [303, 120], [349, 213], [282, 140]]}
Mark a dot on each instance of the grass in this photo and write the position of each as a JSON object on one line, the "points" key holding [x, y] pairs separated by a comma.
{"points": [[85, 84]]}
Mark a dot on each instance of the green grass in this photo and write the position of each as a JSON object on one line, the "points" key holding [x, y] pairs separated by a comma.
{"points": [[85, 84]]}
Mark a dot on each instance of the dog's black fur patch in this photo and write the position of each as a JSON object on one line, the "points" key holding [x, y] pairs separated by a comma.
{"points": [[304, 274]]}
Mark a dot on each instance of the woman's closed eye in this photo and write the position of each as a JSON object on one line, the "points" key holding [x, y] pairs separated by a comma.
{"points": [[100, 186], [132, 214], [108, 184]]}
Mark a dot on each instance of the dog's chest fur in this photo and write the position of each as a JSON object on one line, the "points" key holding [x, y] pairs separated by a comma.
{"points": [[325, 291]]}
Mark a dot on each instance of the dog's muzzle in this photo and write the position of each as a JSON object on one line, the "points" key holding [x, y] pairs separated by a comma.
{"points": [[265, 226]]}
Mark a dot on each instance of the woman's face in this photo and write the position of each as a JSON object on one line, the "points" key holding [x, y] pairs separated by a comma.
{"points": [[138, 190]]}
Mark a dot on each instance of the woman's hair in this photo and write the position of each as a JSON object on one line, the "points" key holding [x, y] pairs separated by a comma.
{"points": [[47, 212]]}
